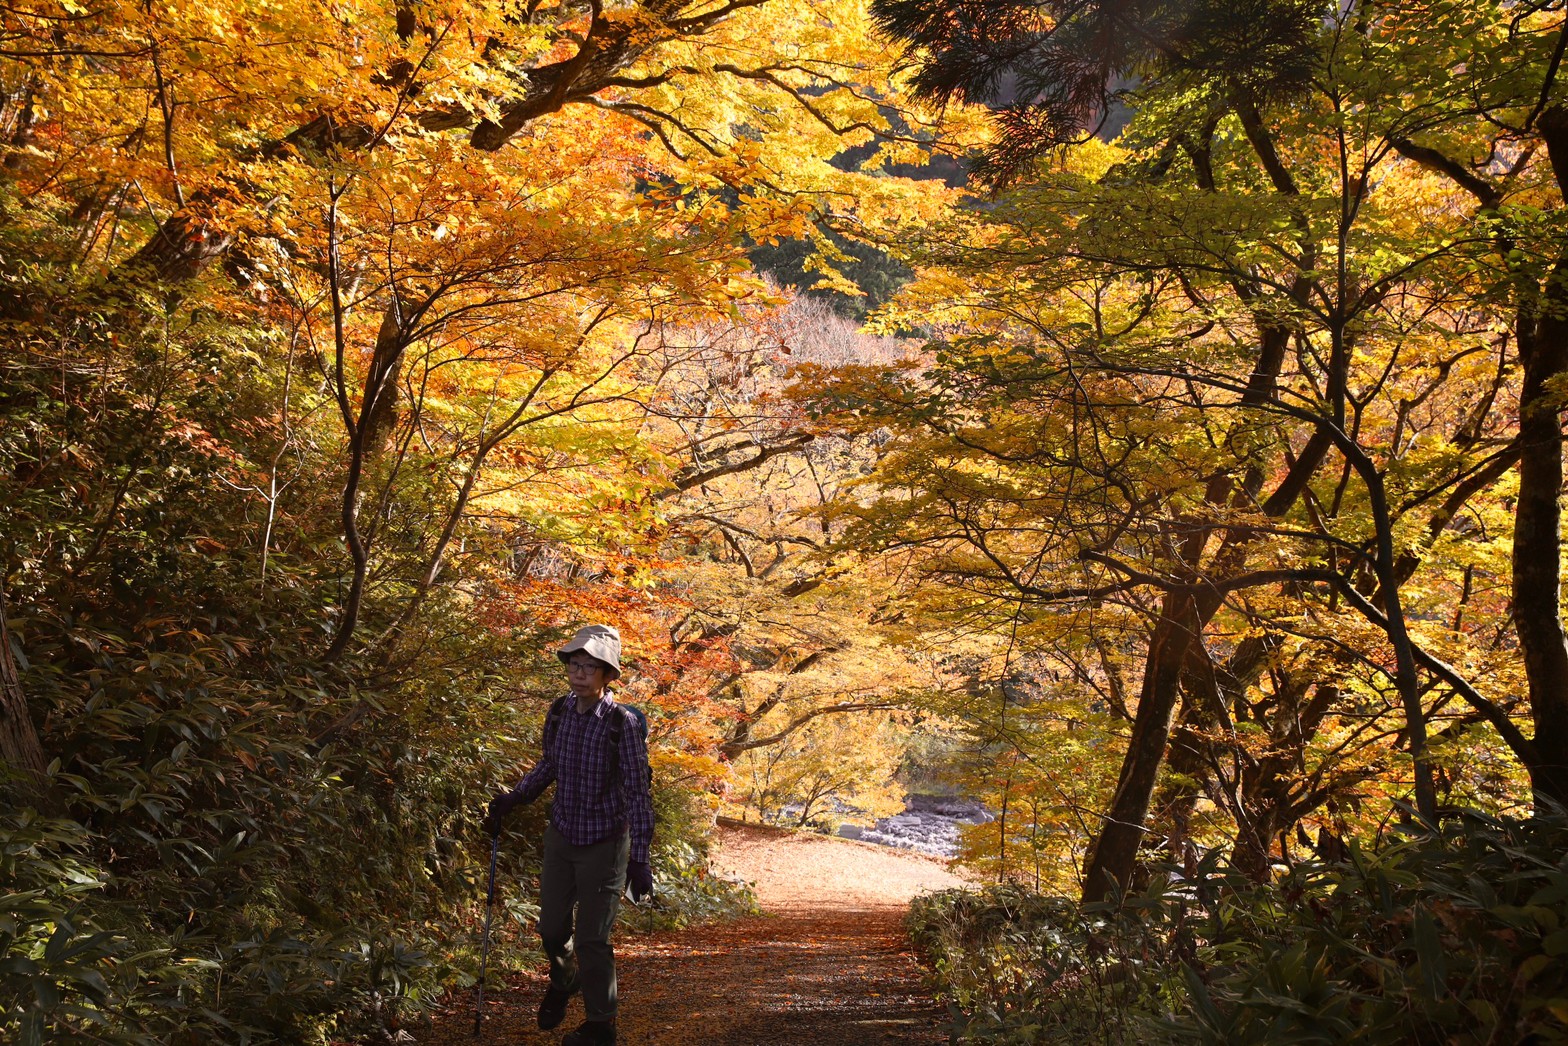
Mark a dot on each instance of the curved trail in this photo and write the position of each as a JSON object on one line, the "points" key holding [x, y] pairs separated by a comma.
{"points": [[829, 963]]}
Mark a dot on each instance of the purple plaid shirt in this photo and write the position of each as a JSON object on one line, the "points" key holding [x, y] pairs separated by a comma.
{"points": [[587, 809]]}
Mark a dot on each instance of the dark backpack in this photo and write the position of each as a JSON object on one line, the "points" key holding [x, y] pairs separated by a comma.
{"points": [[629, 713]]}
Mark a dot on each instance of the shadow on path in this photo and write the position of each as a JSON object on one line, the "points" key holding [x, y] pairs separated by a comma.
{"points": [[832, 966], [844, 977]]}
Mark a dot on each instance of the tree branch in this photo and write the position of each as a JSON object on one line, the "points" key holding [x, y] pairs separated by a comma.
{"points": [[763, 455], [734, 748]]}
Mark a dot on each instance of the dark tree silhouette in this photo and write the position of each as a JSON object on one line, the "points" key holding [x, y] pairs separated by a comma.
{"points": [[1052, 68]]}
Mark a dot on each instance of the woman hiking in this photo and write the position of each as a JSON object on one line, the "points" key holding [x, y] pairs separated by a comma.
{"points": [[596, 843]]}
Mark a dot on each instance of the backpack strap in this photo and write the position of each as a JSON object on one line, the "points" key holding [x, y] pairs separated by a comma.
{"points": [[617, 728], [552, 721], [624, 714], [552, 725]]}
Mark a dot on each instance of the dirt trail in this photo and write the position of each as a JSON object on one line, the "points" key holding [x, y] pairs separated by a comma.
{"points": [[829, 964]]}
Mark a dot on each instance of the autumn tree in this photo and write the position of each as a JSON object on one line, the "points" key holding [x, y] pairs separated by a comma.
{"points": [[833, 769], [372, 208], [215, 144], [334, 346], [1230, 265], [1511, 110], [749, 550]]}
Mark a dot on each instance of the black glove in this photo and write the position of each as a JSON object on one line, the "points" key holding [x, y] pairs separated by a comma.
{"points": [[639, 878], [499, 807]]}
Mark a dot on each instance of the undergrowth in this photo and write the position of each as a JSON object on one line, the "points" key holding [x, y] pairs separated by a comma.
{"points": [[238, 838], [1456, 937]]}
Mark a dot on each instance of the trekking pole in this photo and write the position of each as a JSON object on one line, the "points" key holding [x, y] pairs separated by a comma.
{"points": [[484, 952]]}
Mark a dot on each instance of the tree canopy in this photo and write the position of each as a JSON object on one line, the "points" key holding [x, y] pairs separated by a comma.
{"points": [[1184, 483]]}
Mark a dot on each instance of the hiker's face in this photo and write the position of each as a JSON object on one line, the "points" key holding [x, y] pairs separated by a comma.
{"points": [[586, 676]]}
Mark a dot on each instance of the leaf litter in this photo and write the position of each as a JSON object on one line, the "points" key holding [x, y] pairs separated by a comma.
{"points": [[828, 963]]}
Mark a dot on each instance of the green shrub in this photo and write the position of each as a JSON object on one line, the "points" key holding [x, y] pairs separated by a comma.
{"points": [[57, 964], [1458, 936], [685, 892], [1461, 937], [1019, 967]]}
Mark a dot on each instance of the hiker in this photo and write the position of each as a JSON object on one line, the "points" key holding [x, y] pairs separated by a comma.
{"points": [[600, 827]]}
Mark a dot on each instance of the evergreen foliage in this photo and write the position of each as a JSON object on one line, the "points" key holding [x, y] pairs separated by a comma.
{"points": [[1052, 70], [874, 272]]}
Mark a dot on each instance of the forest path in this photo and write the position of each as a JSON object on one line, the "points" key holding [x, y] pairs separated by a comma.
{"points": [[830, 962]]}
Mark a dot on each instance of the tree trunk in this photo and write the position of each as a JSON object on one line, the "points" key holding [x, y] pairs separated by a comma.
{"points": [[1252, 854], [1542, 333], [179, 251], [1537, 566], [366, 431], [1178, 795], [1115, 853]]}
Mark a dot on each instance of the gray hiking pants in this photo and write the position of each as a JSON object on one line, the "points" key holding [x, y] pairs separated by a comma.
{"points": [[590, 877]]}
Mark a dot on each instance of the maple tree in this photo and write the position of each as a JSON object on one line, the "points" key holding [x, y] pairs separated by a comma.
{"points": [[847, 761], [1325, 365], [355, 353], [338, 342], [374, 197], [802, 706]]}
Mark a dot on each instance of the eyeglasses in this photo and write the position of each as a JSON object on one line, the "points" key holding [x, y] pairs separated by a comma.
{"points": [[583, 666]]}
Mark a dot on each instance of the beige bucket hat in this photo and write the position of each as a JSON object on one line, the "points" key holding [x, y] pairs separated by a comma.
{"points": [[600, 642]]}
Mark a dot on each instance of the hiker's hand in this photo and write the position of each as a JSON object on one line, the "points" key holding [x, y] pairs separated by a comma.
{"points": [[499, 807], [639, 877]]}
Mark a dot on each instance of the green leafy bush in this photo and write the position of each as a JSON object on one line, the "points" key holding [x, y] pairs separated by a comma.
{"points": [[56, 962], [685, 891], [1019, 967], [1457, 936], [218, 876]]}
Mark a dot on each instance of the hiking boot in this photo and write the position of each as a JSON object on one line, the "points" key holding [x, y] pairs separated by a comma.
{"points": [[592, 1033], [552, 1008]]}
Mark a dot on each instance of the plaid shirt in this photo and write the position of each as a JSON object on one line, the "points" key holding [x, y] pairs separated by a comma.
{"points": [[587, 809]]}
